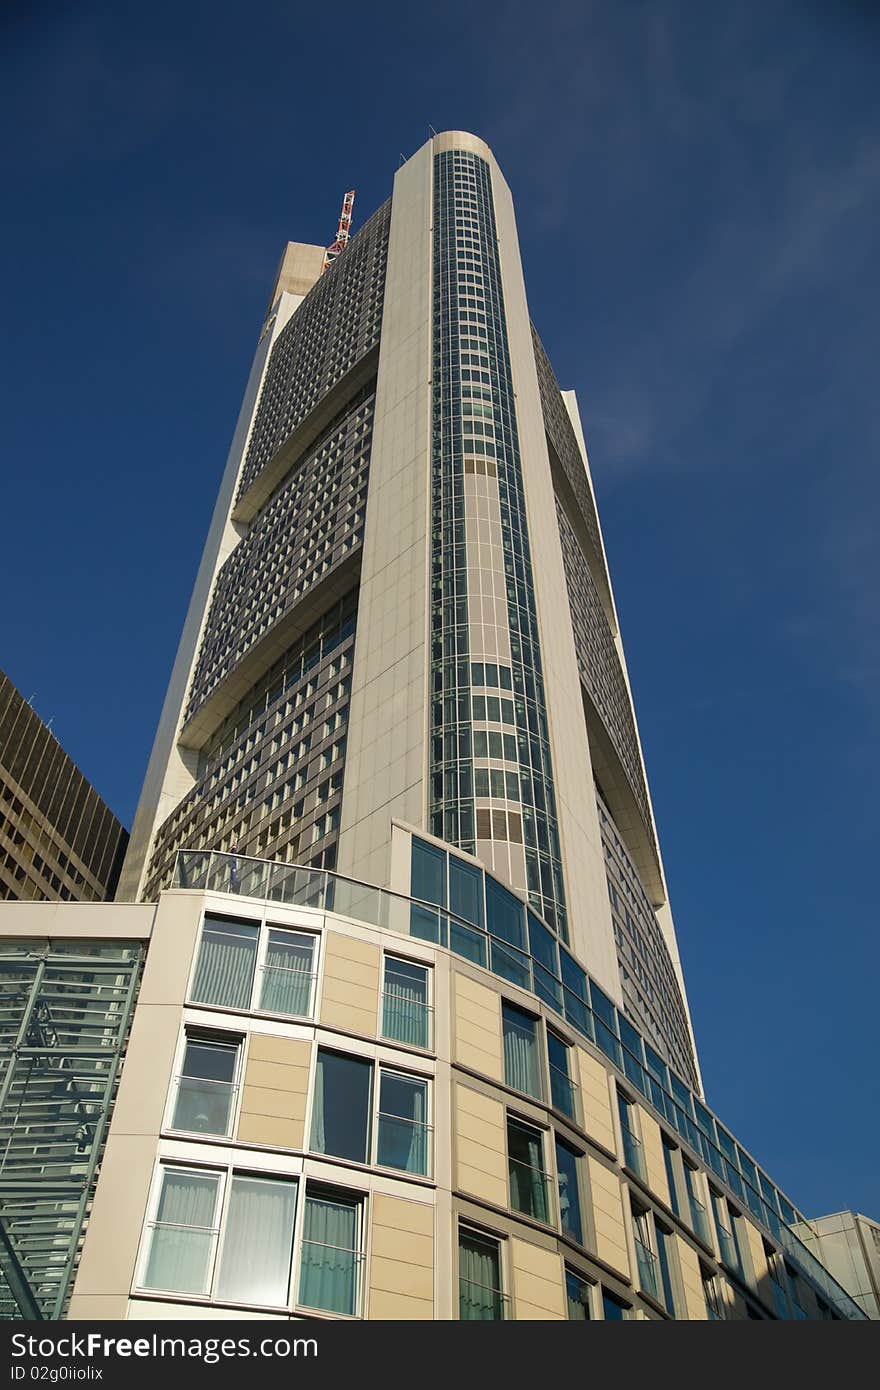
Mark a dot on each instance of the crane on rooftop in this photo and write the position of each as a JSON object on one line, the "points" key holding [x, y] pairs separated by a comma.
{"points": [[342, 233]]}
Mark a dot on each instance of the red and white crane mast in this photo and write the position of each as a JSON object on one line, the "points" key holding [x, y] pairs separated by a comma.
{"points": [[342, 233]]}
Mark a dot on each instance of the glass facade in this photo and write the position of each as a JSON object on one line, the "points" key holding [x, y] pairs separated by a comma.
{"points": [[65, 1010], [475, 433]]}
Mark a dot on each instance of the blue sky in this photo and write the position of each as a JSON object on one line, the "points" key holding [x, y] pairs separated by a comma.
{"points": [[698, 190]]}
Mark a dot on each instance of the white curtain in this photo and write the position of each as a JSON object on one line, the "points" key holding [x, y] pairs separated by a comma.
{"points": [[183, 1233], [257, 1242]]}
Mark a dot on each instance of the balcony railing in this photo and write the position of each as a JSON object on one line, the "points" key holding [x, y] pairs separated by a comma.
{"points": [[633, 1156], [564, 1093], [480, 1303], [407, 1020], [203, 1106], [700, 1221], [530, 1190]]}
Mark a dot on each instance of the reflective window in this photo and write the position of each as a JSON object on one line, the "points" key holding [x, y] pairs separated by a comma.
{"points": [[567, 1165], [341, 1107], [522, 1056], [206, 1086]]}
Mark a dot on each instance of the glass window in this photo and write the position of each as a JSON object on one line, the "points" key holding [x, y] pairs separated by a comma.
{"points": [[562, 1088], [206, 1086], [405, 1010], [505, 914], [465, 891], [528, 1180], [403, 1122], [645, 1257], [522, 1058], [669, 1152], [567, 1165], [226, 962], [257, 1241], [480, 1295], [712, 1295], [288, 973], [577, 1293], [699, 1218], [613, 1308], [330, 1263], [341, 1107], [428, 873], [665, 1257], [184, 1232], [632, 1144]]}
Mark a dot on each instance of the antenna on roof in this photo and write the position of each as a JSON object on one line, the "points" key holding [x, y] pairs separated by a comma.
{"points": [[343, 232]]}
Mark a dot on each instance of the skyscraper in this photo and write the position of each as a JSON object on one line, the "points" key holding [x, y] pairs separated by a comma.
{"points": [[412, 1038], [58, 839], [404, 610]]}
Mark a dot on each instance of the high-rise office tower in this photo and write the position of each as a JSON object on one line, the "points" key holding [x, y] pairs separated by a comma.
{"points": [[58, 840], [412, 1038], [404, 611]]}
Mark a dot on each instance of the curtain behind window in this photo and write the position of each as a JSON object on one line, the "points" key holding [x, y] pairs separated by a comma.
{"points": [[183, 1235], [528, 1188], [479, 1280], [521, 1060], [405, 1015], [287, 977], [328, 1277], [258, 1242], [225, 970]]}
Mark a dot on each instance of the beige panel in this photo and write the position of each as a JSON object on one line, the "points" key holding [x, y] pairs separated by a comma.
{"points": [[762, 1283], [477, 1027], [481, 1167], [538, 1284], [607, 1199], [402, 1215], [387, 740], [596, 1100], [402, 1259], [350, 997], [276, 1084], [97, 1309], [652, 1146], [110, 1251], [692, 1282], [147, 1070]]}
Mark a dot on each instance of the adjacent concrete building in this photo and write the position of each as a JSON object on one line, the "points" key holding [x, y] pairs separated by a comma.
{"points": [[412, 1039], [58, 840], [849, 1246]]}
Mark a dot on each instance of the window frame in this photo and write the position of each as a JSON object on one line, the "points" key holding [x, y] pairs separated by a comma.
{"points": [[317, 1189], [225, 1174], [540, 1051], [264, 926], [427, 967], [548, 1175], [378, 1067], [193, 1032], [481, 1233]]}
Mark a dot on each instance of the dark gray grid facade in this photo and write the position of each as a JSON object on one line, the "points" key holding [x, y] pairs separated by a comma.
{"points": [[270, 780], [337, 324], [58, 838], [470, 336], [307, 529], [598, 662], [651, 994], [565, 454], [65, 1009]]}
